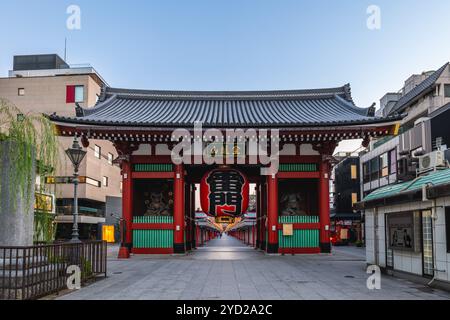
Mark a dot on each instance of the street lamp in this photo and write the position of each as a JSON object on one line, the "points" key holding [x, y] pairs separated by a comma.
{"points": [[76, 155]]}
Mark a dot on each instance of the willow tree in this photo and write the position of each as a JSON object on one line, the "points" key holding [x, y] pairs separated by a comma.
{"points": [[28, 146]]}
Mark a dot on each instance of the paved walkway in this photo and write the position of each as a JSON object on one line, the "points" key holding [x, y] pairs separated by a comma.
{"points": [[226, 269]]}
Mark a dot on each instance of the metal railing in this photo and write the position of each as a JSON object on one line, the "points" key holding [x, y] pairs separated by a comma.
{"points": [[28, 273]]}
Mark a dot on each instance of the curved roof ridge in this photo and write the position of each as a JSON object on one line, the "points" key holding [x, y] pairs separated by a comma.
{"points": [[297, 108], [230, 95], [367, 112]]}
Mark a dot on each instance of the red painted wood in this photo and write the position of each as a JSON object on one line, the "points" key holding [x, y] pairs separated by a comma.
{"points": [[254, 236], [299, 250], [152, 226], [153, 175], [124, 253], [152, 250], [298, 175], [158, 159], [127, 200], [302, 226], [114, 129], [272, 208], [324, 202], [178, 207]]}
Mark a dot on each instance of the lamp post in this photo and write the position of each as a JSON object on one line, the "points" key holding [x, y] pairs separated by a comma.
{"points": [[76, 155]]}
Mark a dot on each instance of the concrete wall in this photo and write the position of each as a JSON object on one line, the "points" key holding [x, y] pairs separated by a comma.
{"points": [[16, 221], [48, 95], [407, 261]]}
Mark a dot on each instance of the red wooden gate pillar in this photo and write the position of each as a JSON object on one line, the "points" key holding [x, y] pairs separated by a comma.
{"points": [[178, 210], [272, 214], [127, 210], [324, 206]]}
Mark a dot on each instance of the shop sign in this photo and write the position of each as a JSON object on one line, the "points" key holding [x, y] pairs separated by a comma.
{"points": [[288, 229], [403, 231]]}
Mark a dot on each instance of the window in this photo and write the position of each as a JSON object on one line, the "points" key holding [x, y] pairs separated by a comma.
{"points": [[393, 161], [447, 90], [93, 182], [374, 168], [97, 151], [354, 171], [447, 227], [79, 94], [384, 165], [21, 92], [427, 243], [74, 94], [105, 181], [110, 158], [366, 172], [354, 198]]}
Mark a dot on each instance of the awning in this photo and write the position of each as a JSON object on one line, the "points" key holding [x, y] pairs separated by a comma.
{"points": [[433, 180], [346, 216]]}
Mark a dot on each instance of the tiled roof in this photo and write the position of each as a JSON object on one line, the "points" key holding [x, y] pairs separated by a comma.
{"points": [[435, 178], [316, 107], [420, 89]]}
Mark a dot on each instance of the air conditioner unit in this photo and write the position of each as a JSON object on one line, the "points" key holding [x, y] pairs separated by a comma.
{"points": [[431, 161]]}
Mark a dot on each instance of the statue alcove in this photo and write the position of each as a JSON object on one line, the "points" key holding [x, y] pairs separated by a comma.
{"points": [[298, 197], [153, 197]]}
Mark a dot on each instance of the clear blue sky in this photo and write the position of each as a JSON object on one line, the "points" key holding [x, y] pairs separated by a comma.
{"points": [[236, 45]]}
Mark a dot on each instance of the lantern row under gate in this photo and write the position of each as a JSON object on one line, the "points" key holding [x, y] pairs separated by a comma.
{"points": [[159, 195]]}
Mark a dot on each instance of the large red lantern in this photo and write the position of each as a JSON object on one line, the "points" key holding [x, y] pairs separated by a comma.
{"points": [[224, 192]]}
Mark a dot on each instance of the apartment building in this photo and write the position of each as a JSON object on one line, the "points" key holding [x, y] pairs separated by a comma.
{"points": [[388, 160], [47, 84], [405, 182]]}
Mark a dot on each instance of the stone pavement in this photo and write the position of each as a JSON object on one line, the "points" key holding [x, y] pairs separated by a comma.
{"points": [[226, 269]]}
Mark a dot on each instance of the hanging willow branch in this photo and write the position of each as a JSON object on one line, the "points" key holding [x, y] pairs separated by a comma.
{"points": [[24, 138]]}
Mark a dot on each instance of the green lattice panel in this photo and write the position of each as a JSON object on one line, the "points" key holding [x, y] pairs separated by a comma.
{"points": [[301, 238], [152, 238], [153, 219], [298, 167], [298, 219], [152, 167]]}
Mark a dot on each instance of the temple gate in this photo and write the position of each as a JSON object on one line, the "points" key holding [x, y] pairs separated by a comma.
{"points": [[292, 203]]}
